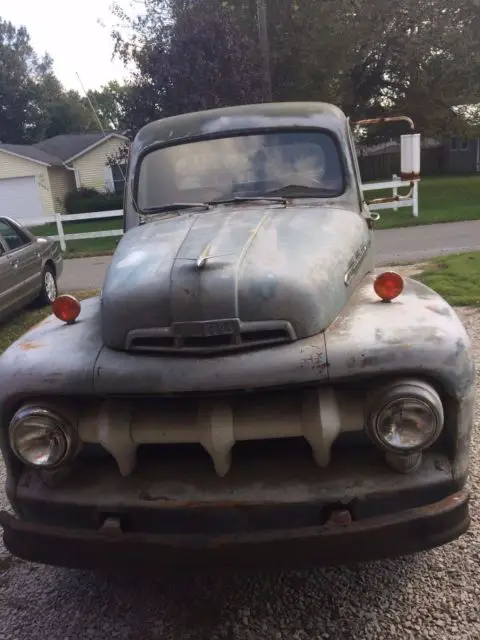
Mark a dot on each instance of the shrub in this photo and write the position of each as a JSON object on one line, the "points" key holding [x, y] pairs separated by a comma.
{"points": [[87, 200]]}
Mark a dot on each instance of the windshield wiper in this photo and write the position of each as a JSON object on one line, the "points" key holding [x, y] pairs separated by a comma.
{"points": [[280, 200], [175, 206], [305, 192]]}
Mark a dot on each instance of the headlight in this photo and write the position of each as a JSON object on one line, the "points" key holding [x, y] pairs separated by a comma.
{"points": [[40, 437], [406, 417]]}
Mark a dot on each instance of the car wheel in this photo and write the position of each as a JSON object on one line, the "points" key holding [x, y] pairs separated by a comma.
{"points": [[49, 290]]}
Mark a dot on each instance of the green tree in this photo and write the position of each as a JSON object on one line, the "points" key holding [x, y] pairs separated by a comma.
{"points": [[188, 56], [20, 72], [110, 103], [61, 111], [419, 57]]}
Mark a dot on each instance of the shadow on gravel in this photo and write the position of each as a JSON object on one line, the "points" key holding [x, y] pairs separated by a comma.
{"points": [[331, 603]]}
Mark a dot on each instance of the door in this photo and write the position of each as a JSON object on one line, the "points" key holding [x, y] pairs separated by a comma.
{"points": [[24, 258], [20, 199]]}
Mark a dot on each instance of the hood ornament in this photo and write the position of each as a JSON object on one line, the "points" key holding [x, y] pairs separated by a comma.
{"points": [[203, 257], [201, 261]]}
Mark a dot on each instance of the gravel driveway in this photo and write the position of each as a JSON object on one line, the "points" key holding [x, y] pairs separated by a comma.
{"points": [[430, 595]]}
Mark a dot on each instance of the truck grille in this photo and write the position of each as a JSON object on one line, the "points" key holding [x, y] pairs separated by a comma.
{"points": [[210, 336], [317, 415]]}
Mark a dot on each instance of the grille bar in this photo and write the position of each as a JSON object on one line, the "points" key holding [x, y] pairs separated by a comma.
{"points": [[316, 414], [210, 336]]}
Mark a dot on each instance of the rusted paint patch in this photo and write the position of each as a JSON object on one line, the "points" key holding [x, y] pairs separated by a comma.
{"points": [[450, 502], [199, 504], [28, 345], [340, 518], [365, 359], [315, 361]]}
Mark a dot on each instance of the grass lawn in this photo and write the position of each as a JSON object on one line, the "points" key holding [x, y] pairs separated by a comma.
{"points": [[455, 277], [26, 319], [445, 199]]}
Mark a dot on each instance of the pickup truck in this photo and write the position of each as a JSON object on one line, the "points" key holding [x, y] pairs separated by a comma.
{"points": [[248, 389]]}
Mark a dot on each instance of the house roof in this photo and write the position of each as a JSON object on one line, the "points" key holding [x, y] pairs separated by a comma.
{"points": [[31, 152], [58, 150], [71, 145]]}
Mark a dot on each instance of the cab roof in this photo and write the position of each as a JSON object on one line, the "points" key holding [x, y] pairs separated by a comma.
{"points": [[242, 118]]}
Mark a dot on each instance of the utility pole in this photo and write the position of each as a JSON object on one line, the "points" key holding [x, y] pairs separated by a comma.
{"points": [[265, 50]]}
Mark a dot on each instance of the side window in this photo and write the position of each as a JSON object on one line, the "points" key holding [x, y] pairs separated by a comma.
{"points": [[13, 237]]}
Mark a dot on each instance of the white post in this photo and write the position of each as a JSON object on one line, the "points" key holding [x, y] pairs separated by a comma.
{"points": [[395, 190], [415, 199], [61, 235]]}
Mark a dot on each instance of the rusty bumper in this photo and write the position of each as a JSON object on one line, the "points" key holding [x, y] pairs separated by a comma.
{"points": [[334, 543]]}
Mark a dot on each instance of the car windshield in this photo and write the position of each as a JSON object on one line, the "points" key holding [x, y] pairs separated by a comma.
{"points": [[302, 164]]}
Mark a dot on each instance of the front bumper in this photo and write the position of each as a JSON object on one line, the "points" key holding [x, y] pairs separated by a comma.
{"points": [[335, 543]]}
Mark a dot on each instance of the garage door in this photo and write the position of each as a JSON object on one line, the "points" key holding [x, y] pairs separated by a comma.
{"points": [[20, 199]]}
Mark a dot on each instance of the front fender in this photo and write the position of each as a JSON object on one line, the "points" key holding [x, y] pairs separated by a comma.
{"points": [[418, 332], [52, 358]]}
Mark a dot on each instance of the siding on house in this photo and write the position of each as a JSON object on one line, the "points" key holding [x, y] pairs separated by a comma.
{"points": [[91, 167], [14, 167], [61, 182]]}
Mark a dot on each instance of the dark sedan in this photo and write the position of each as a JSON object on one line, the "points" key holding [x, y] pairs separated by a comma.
{"points": [[29, 268]]}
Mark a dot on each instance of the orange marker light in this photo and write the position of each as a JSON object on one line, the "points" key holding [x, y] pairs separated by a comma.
{"points": [[388, 285], [66, 308]]}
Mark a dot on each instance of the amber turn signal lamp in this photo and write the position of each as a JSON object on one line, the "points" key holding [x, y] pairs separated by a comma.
{"points": [[66, 308], [388, 285]]}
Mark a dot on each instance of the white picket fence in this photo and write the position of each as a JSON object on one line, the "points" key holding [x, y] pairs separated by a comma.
{"points": [[63, 237], [394, 184], [99, 215]]}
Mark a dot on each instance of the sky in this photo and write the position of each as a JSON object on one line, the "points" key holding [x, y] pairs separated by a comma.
{"points": [[69, 31]]}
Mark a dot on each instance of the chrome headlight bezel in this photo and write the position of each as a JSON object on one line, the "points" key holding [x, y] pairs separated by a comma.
{"points": [[405, 391], [54, 420]]}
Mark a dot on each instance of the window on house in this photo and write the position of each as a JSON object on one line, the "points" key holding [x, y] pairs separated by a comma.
{"points": [[453, 144], [119, 171], [464, 145]]}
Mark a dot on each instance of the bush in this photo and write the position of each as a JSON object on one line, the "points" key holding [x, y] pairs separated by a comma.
{"points": [[86, 200]]}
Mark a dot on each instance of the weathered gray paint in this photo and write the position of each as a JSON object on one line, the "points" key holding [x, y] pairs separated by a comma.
{"points": [[52, 358], [270, 263], [417, 332], [289, 264]]}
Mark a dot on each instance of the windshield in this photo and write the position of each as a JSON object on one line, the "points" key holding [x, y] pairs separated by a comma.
{"points": [[295, 164]]}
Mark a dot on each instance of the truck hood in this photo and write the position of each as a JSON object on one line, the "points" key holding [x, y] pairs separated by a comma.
{"points": [[231, 276]]}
